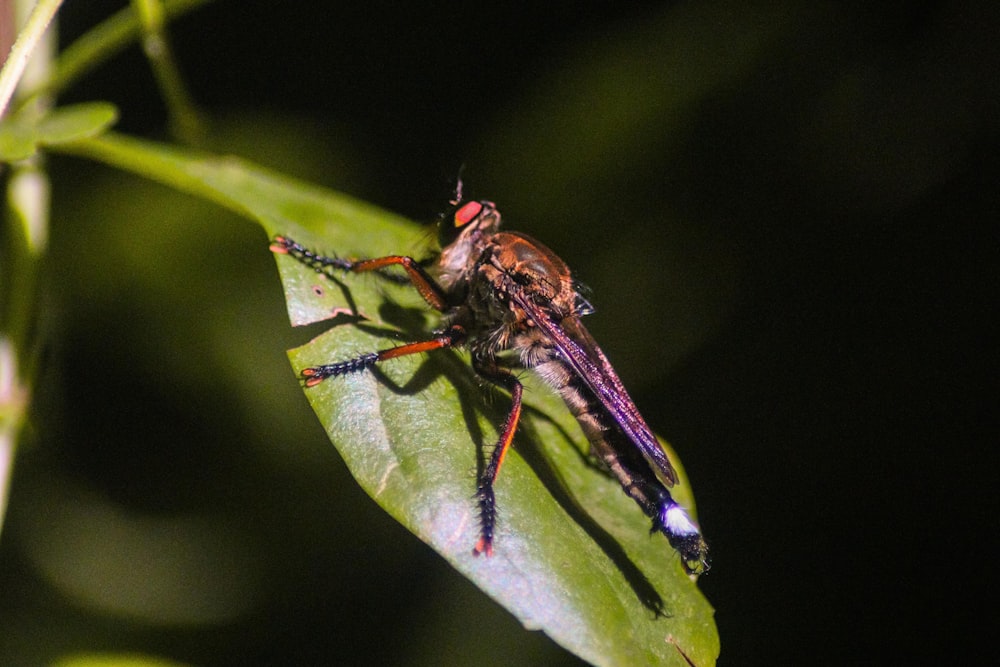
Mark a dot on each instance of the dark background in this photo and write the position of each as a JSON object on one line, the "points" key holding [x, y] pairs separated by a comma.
{"points": [[786, 212]]}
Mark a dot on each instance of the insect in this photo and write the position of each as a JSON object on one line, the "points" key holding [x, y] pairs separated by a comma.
{"points": [[501, 291]]}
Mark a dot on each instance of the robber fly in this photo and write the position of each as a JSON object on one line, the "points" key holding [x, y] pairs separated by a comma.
{"points": [[501, 291]]}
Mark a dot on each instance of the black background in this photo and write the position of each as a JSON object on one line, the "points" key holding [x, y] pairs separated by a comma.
{"points": [[813, 202]]}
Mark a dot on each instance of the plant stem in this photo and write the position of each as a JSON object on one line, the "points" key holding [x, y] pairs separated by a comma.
{"points": [[27, 220], [184, 116], [25, 44], [102, 42], [13, 407]]}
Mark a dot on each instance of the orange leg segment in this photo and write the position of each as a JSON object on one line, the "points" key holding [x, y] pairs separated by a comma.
{"points": [[448, 338], [485, 494], [425, 285]]}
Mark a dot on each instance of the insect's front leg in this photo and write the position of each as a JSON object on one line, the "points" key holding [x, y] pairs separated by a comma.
{"points": [[427, 286], [489, 370]]}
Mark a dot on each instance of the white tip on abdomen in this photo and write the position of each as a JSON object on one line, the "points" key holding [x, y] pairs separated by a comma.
{"points": [[677, 521]]}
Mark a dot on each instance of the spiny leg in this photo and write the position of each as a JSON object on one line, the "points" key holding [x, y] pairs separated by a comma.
{"points": [[428, 288], [484, 491], [450, 337]]}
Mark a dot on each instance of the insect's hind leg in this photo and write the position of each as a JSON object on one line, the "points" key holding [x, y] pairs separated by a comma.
{"points": [[484, 491]]}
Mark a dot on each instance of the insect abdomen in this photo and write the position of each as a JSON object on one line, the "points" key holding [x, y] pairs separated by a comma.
{"points": [[627, 465]]}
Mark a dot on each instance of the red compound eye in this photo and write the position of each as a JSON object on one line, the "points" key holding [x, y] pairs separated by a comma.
{"points": [[467, 213]]}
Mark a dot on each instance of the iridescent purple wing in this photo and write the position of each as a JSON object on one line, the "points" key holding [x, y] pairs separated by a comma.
{"points": [[579, 350]]}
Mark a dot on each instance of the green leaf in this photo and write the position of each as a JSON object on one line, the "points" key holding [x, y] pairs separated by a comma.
{"points": [[573, 555], [77, 121], [17, 140], [20, 136]]}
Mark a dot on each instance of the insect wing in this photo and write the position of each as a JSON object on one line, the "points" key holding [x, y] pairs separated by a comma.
{"points": [[580, 351]]}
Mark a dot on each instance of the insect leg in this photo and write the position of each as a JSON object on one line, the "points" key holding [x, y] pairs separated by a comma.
{"points": [[484, 492], [428, 288], [450, 337]]}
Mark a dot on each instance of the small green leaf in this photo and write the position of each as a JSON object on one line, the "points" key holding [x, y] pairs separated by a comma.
{"points": [[17, 140], [20, 135], [77, 121], [573, 555]]}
